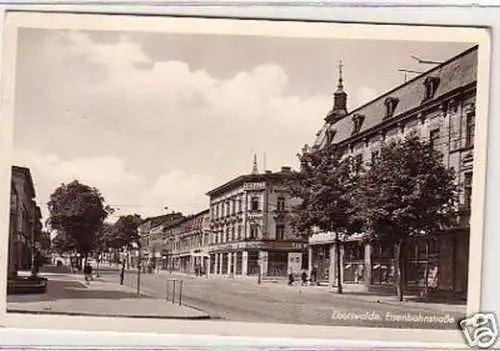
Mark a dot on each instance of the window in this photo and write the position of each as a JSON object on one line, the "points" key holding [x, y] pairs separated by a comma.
{"points": [[281, 204], [239, 231], [470, 129], [280, 232], [467, 189], [390, 106], [254, 204], [431, 85], [357, 123], [239, 205], [253, 231], [434, 137], [232, 233], [233, 205], [222, 209]]}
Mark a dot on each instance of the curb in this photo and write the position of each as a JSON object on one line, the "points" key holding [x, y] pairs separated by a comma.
{"points": [[86, 314]]}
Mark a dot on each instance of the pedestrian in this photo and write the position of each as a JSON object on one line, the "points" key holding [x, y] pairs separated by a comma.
{"points": [[87, 272], [314, 275], [304, 278], [122, 273], [290, 278]]}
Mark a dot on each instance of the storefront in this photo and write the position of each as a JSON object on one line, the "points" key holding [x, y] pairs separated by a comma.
{"points": [[271, 258]]}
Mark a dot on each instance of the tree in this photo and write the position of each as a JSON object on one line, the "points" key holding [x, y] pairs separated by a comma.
{"points": [[45, 241], [62, 243], [406, 193], [324, 184], [123, 232], [77, 210]]}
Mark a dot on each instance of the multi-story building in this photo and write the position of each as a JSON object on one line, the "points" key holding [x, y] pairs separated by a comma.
{"points": [[440, 105], [25, 221], [188, 241], [250, 227], [152, 237]]}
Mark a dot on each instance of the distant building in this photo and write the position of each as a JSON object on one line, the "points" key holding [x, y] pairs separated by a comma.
{"points": [[439, 105], [187, 243], [250, 227], [152, 238], [25, 221]]}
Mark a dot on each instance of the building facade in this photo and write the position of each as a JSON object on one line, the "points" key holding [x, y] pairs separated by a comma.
{"points": [[151, 233], [251, 233], [187, 243], [439, 105], [25, 221]]}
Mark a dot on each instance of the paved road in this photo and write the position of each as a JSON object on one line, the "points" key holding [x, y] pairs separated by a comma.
{"points": [[243, 300]]}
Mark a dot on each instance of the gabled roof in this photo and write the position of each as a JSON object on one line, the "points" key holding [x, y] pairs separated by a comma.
{"points": [[456, 73]]}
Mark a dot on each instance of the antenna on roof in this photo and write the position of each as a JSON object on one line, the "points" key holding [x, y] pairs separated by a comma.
{"points": [[408, 71], [425, 62]]}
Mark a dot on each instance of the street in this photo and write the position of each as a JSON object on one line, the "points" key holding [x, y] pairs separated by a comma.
{"points": [[245, 300]]}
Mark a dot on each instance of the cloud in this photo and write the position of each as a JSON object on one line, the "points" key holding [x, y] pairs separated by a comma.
{"points": [[169, 132]]}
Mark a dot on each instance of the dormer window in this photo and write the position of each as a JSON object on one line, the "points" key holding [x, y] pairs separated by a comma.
{"points": [[390, 106], [358, 120], [431, 85], [330, 134]]}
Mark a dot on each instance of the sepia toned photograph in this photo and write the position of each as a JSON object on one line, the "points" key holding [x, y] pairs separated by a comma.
{"points": [[243, 172]]}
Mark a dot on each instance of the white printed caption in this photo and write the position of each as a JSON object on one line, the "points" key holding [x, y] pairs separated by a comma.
{"points": [[480, 330]]}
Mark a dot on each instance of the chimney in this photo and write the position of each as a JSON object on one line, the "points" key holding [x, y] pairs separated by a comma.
{"points": [[286, 169]]}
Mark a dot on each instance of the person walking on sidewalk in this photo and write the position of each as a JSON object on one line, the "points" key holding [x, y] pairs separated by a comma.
{"points": [[122, 273], [87, 272]]}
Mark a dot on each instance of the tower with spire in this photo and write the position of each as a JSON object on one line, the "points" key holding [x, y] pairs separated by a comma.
{"points": [[339, 109], [255, 170]]}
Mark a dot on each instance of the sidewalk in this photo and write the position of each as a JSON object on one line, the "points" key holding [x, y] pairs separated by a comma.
{"points": [[71, 296]]}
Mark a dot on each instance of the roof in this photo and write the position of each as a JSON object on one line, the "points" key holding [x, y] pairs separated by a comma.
{"points": [[157, 220], [25, 172], [247, 178], [191, 217], [457, 73]]}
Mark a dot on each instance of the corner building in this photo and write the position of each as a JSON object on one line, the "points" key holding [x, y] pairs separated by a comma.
{"points": [[250, 227], [439, 105]]}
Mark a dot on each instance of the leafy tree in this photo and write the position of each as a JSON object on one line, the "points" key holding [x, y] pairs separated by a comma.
{"points": [[62, 243], [406, 193], [324, 184], [45, 242], [123, 232], [77, 210]]}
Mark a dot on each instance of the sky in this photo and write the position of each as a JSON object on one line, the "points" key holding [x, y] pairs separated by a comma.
{"points": [[156, 120]]}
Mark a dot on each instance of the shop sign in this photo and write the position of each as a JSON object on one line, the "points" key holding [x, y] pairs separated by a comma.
{"points": [[328, 237], [254, 186]]}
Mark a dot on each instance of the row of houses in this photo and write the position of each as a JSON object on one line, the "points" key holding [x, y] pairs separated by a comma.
{"points": [[25, 227], [246, 228]]}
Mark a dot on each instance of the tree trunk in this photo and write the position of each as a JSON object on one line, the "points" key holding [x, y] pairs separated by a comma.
{"points": [[426, 275], [399, 268], [338, 263]]}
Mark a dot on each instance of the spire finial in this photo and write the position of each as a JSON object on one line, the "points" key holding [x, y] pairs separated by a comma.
{"points": [[255, 170], [340, 85]]}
